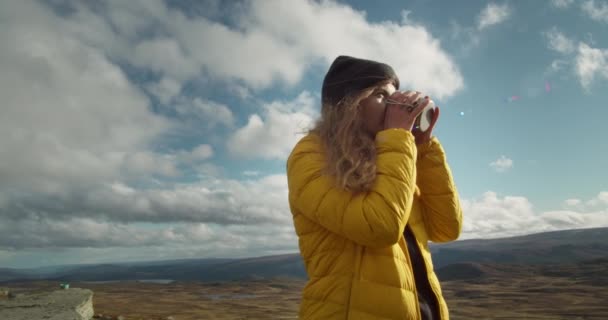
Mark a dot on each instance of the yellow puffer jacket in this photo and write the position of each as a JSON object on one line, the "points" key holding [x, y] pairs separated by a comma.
{"points": [[353, 247]]}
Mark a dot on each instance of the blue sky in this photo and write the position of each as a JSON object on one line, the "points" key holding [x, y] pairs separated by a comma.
{"points": [[143, 130]]}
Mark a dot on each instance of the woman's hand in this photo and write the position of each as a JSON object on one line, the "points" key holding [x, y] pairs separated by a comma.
{"points": [[397, 114], [424, 137]]}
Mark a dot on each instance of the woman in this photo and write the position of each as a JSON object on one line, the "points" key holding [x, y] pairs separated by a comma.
{"points": [[367, 194]]}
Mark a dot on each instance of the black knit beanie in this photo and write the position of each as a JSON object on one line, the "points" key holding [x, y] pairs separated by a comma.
{"points": [[348, 75]]}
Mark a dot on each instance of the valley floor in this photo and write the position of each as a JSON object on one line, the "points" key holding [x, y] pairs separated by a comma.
{"points": [[535, 297]]}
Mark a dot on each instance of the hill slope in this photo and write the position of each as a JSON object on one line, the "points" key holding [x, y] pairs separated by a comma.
{"points": [[468, 259]]}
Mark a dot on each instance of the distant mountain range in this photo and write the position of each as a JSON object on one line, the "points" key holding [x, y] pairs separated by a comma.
{"points": [[594, 271], [583, 250], [555, 247]]}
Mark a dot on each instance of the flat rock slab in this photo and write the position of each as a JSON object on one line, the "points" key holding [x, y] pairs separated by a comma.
{"points": [[68, 304]]}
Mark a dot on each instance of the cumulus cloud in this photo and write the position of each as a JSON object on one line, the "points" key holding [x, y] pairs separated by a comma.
{"points": [[70, 117], [76, 134], [208, 170], [559, 42], [220, 202], [75, 232], [77, 137], [257, 49], [254, 218], [562, 4], [273, 135], [493, 14], [492, 216], [557, 65], [489, 216], [216, 218], [251, 173], [582, 214], [600, 200], [587, 63], [591, 63], [598, 13], [145, 162], [468, 37], [191, 157], [502, 164], [603, 197], [176, 240], [165, 89], [210, 113], [572, 202], [316, 26], [595, 11]]}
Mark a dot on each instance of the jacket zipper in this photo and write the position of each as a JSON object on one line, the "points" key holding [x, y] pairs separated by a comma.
{"points": [[409, 262], [356, 277], [426, 274]]}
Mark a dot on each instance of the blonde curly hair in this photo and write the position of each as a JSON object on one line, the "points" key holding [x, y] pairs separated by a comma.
{"points": [[349, 149]]}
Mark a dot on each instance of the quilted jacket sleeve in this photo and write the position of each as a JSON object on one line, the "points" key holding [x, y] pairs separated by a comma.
{"points": [[440, 200], [376, 218]]}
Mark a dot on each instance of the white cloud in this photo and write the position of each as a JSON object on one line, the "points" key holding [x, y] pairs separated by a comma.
{"points": [[194, 46], [600, 200], [563, 219], [598, 13], [77, 136], [70, 117], [210, 113], [75, 133], [202, 152], [224, 202], [490, 216], [588, 64], [209, 170], [603, 197], [572, 202], [467, 38], [316, 26], [166, 242], [121, 189], [493, 216], [164, 55], [196, 155], [145, 162], [241, 92], [92, 234], [591, 63], [274, 136], [112, 217], [165, 89], [559, 42], [405, 17], [493, 14], [502, 164], [557, 65], [562, 4]]}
